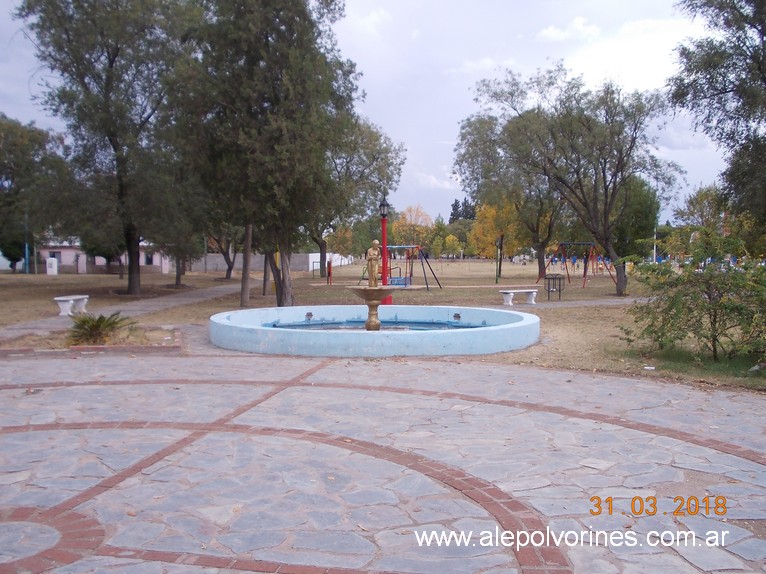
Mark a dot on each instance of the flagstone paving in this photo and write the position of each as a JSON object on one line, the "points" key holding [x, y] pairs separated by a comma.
{"points": [[221, 462]]}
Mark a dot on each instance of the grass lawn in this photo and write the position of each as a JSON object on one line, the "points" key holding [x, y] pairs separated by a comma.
{"points": [[584, 336]]}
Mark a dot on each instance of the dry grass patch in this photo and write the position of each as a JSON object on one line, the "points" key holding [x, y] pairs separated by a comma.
{"points": [[133, 336], [30, 297]]}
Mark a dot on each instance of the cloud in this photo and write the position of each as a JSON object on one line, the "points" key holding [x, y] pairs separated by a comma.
{"points": [[480, 66], [638, 57], [367, 25], [431, 181], [577, 29]]}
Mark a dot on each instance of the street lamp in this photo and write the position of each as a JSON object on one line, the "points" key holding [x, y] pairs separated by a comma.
{"points": [[384, 206]]}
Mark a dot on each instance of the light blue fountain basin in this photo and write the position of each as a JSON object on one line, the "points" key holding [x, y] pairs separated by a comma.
{"points": [[405, 331]]}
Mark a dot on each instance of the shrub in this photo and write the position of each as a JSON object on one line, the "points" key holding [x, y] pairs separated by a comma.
{"points": [[719, 306], [96, 330]]}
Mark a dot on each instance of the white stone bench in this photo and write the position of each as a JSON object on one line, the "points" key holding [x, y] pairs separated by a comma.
{"points": [[71, 304], [509, 293]]}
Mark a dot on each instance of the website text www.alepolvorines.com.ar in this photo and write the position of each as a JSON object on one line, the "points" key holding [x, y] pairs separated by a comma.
{"points": [[538, 538]]}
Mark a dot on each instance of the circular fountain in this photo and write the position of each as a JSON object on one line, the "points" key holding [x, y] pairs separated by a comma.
{"points": [[406, 330]]}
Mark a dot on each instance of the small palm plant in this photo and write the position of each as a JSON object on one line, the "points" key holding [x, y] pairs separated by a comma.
{"points": [[96, 330]]}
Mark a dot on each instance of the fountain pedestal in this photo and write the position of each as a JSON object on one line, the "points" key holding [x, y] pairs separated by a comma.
{"points": [[372, 296]]}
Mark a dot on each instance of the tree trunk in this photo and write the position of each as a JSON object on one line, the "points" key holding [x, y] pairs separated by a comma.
{"points": [[133, 242], [322, 243], [287, 299], [230, 261], [620, 271], [226, 246], [244, 292], [282, 278], [500, 257], [276, 273], [180, 270], [540, 255]]}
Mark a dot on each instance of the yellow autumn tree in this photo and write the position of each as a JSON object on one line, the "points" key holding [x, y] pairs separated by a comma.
{"points": [[493, 223], [413, 226], [340, 241]]}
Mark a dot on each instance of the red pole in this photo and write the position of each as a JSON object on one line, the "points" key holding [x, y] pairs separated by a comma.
{"points": [[388, 300]]}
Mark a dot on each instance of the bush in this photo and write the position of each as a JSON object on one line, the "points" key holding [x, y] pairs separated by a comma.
{"points": [[720, 307], [96, 330]]}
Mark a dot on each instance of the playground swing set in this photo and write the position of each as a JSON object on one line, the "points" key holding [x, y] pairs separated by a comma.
{"points": [[406, 270], [592, 261]]}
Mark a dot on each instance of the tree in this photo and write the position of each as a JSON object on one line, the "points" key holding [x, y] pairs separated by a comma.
{"points": [[702, 208], [110, 62], [721, 78], [452, 246], [493, 228], [462, 210], [639, 221], [744, 191], [226, 239], [461, 229], [413, 226], [455, 211], [589, 144], [365, 165], [721, 82], [341, 241], [270, 91], [486, 166], [33, 172]]}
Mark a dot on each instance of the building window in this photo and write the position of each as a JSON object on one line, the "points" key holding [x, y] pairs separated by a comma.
{"points": [[148, 259], [55, 255]]}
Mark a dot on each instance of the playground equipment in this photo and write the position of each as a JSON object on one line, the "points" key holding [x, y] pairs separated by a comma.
{"points": [[404, 264], [592, 260]]}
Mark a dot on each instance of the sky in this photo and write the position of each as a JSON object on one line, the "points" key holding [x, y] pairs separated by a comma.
{"points": [[421, 60]]}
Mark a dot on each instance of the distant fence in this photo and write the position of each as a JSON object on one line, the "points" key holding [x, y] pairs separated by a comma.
{"points": [[214, 262]]}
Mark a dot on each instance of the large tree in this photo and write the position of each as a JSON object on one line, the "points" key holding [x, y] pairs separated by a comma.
{"points": [[109, 61], [489, 172], [744, 192], [590, 144], [267, 88], [721, 81], [722, 78], [365, 165], [33, 175]]}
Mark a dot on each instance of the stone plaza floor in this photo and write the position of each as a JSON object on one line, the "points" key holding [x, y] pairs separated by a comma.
{"points": [[209, 461]]}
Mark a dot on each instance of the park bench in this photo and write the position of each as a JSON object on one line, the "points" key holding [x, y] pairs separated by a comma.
{"points": [[71, 304], [509, 293]]}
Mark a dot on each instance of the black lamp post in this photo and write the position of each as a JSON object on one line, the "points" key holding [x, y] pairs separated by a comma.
{"points": [[384, 238], [384, 206]]}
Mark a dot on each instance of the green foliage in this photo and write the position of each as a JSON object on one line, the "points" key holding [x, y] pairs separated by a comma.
{"points": [[272, 89], [638, 221], [110, 62], [437, 247], [719, 306], [33, 172], [720, 80], [744, 182], [563, 142], [96, 330]]}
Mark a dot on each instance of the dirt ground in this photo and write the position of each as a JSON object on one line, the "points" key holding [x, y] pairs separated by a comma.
{"points": [[580, 332]]}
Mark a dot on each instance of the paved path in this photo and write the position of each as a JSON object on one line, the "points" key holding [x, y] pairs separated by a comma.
{"points": [[223, 462]]}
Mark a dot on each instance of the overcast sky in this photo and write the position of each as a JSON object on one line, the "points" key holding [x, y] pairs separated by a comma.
{"points": [[421, 60]]}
